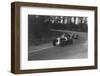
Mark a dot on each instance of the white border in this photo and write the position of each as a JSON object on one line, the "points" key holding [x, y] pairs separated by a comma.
{"points": [[25, 64]]}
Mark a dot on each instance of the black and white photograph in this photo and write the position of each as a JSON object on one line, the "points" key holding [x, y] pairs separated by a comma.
{"points": [[52, 37]]}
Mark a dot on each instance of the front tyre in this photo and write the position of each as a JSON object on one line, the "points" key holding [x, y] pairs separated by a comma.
{"points": [[54, 42]]}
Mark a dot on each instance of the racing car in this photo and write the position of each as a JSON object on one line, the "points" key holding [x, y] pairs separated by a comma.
{"points": [[63, 40]]}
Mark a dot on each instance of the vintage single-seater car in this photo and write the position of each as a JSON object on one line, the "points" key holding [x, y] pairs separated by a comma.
{"points": [[63, 40], [75, 36]]}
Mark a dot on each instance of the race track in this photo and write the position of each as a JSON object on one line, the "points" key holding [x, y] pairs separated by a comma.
{"points": [[78, 50]]}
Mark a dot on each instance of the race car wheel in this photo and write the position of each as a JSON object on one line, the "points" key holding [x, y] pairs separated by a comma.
{"points": [[54, 42]]}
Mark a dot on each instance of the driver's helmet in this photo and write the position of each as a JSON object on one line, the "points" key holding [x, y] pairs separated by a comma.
{"points": [[63, 35]]}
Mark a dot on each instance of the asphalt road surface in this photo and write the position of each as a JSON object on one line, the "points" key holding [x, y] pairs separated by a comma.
{"points": [[77, 50]]}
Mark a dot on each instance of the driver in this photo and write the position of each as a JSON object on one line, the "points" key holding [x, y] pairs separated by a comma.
{"points": [[63, 36]]}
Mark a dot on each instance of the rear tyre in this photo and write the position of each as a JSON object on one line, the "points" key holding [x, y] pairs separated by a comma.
{"points": [[54, 42]]}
